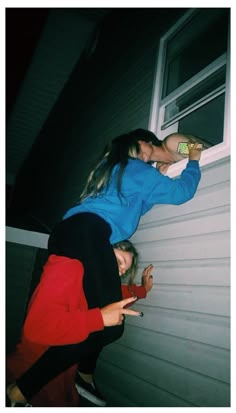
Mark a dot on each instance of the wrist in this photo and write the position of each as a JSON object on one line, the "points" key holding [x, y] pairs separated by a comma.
{"points": [[131, 291]]}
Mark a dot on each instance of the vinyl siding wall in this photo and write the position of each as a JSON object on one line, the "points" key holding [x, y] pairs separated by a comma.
{"points": [[106, 95], [178, 354], [20, 261], [24, 263]]}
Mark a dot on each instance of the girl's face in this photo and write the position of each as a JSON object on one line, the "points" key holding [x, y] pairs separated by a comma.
{"points": [[124, 260], [146, 151]]}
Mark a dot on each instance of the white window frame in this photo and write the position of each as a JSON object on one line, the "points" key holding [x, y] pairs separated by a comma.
{"points": [[216, 152]]}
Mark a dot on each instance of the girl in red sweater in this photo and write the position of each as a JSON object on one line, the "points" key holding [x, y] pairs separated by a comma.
{"points": [[120, 189], [56, 305]]}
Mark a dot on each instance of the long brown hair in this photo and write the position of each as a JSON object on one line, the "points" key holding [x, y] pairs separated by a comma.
{"points": [[118, 151]]}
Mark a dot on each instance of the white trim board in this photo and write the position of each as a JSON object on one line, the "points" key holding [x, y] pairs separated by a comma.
{"points": [[31, 238]]}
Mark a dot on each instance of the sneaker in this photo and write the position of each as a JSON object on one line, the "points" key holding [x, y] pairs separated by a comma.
{"points": [[10, 403], [16, 404], [89, 391]]}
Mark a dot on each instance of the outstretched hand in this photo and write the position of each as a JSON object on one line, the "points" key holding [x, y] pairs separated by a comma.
{"points": [[147, 280], [195, 151], [113, 314]]}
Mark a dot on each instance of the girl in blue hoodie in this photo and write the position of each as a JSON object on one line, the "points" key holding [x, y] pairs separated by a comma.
{"points": [[121, 188]]}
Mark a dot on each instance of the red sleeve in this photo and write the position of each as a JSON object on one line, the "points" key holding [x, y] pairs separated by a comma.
{"points": [[133, 290], [58, 312]]}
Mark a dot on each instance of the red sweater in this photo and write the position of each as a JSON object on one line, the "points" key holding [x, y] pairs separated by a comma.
{"points": [[58, 314]]}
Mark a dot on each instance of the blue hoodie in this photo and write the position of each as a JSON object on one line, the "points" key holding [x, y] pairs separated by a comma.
{"points": [[142, 188]]}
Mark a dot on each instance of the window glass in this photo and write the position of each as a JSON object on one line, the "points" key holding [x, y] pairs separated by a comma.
{"points": [[207, 122], [192, 87], [210, 85], [200, 41]]}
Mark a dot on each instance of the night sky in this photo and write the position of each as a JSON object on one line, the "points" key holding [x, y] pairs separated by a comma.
{"points": [[23, 29]]}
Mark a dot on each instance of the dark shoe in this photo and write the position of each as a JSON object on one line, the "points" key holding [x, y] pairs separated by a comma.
{"points": [[89, 391]]}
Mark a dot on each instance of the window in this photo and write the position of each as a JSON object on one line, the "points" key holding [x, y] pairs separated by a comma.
{"points": [[191, 92]]}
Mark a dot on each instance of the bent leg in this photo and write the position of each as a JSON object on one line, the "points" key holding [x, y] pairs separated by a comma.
{"points": [[59, 358], [84, 237]]}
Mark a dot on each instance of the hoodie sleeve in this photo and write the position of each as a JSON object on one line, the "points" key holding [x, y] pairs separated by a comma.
{"points": [[133, 290], [58, 312], [160, 189]]}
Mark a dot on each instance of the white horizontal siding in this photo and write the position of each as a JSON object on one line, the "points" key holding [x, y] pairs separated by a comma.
{"points": [[20, 261], [178, 354], [202, 328], [168, 377], [136, 391], [189, 354]]}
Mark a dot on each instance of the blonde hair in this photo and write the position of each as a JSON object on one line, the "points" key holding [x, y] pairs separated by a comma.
{"points": [[127, 246], [116, 152]]}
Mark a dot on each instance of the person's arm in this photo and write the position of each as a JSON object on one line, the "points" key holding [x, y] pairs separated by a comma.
{"points": [[133, 290], [170, 146], [54, 316], [139, 291], [58, 312], [160, 189]]}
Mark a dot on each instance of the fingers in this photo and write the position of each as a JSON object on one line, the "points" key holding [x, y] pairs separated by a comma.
{"points": [[195, 151], [198, 146], [125, 311], [147, 271], [132, 312], [126, 301], [150, 266], [147, 278], [195, 146]]}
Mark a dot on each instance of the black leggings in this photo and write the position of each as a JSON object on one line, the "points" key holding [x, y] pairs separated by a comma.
{"points": [[85, 237]]}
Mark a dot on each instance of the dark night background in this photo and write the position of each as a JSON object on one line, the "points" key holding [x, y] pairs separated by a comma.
{"points": [[23, 29], [106, 91]]}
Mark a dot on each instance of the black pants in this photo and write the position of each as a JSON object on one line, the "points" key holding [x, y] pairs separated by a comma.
{"points": [[85, 237]]}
